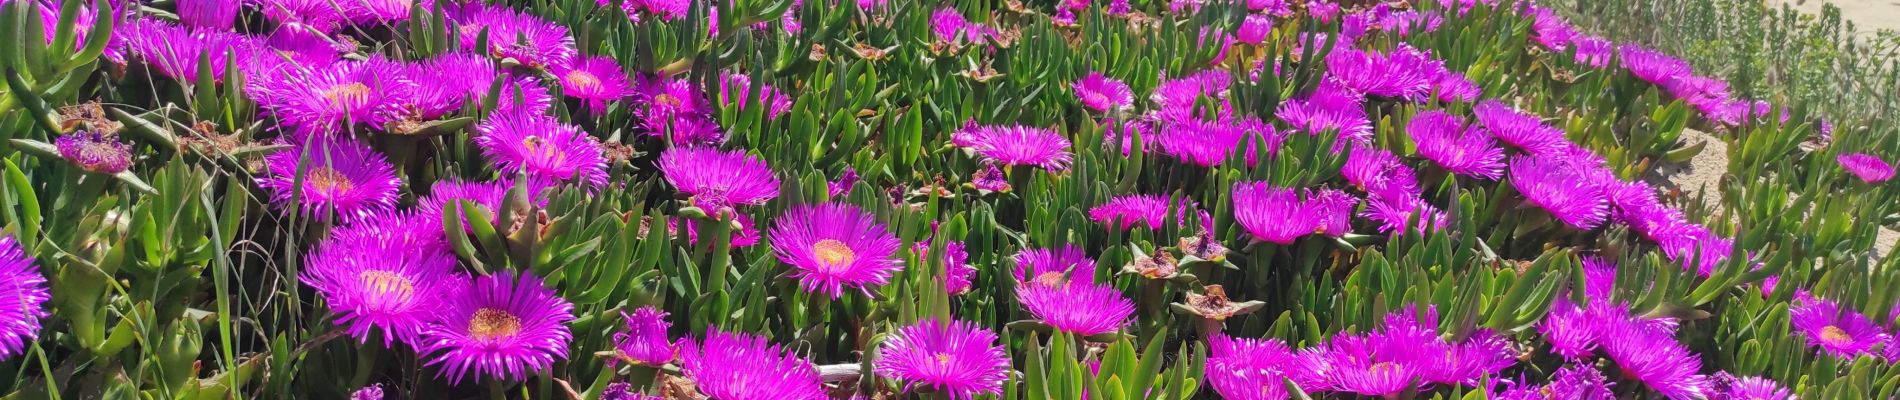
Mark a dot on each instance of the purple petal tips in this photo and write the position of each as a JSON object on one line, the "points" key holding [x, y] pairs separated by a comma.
{"points": [[834, 246]]}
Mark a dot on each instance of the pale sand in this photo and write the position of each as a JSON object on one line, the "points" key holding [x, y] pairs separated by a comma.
{"points": [[1867, 15], [1703, 173]]}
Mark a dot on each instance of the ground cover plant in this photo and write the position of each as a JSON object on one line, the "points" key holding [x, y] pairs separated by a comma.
{"points": [[776, 199]]}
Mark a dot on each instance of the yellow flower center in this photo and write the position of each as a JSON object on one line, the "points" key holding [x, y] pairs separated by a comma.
{"points": [[342, 96], [1835, 336], [489, 323], [388, 285], [1051, 278], [834, 254], [539, 147], [943, 358], [328, 180], [583, 80], [1384, 368], [667, 100]]}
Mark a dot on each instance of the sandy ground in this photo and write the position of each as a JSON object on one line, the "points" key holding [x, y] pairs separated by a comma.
{"points": [[1704, 173], [1867, 15]]}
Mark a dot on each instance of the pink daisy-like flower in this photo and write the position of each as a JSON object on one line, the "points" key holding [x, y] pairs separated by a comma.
{"points": [[23, 297], [1868, 167], [959, 274], [328, 99], [94, 152], [1280, 215], [1147, 209], [742, 366], [392, 276], [209, 14], [1456, 147], [1555, 186], [1521, 130], [1593, 51], [833, 246], [594, 80], [1836, 330], [1404, 72], [1077, 306], [173, 51], [1549, 29], [1176, 99], [1255, 369], [528, 39], [956, 358], [719, 179], [1100, 93], [1656, 67], [1200, 142], [503, 327], [1755, 388], [1051, 267], [1648, 353], [667, 98], [1254, 29], [645, 340], [336, 174], [1020, 145], [1330, 108], [543, 147], [323, 15]]}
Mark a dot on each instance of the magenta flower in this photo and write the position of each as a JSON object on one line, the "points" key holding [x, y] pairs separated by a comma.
{"points": [[735, 91], [380, 11], [1330, 108], [958, 272], [1079, 306], [1405, 72], [1649, 354], [1374, 169], [1254, 29], [1052, 267], [743, 366], [1176, 99], [527, 39], [667, 99], [523, 94], [1100, 93], [1456, 147], [1840, 332], [719, 179], [1656, 67], [1019, 145], [1281, 215], [323, 15], [1755, 388], [338, 174], [23, 296], [956, 358], [371, 392], [503, 327], [1451, 86], [174, 51], [1147, 209], [990, 179], [667, 10], [1521, 130], [1593, 51], [1572, 382], [95, 152], [1868, 167], [1396, 212], [1572, 331], [1698, 249], [1254, 369], [949, 25], [1373, 365], [645, 340], [378, 277], [833, 246], [327, 100], [543, 147], [1555, 186], [1200, 142], [744, 235], [1549, 29], [594, 80], [434, 88], [208, 14]]}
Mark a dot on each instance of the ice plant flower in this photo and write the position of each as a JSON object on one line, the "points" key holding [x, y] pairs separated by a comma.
{"points": [[1254, 369], [594, 80], [527, 39], [667, 10], [1330, 108], [23, 296], [1656, 67], [334, 174], [505, 326], [745, 234], [1521, 130], [1557, 187], [1077, 306], [1176, 99], [958, 272], [719, 179], [1404, 72], [1572, 382], [173, 51], [1571, 330], [1147, 209], [1649, 354], [327, 99], [209, 14], [645, 341], [1868, 167], [95, 152], [1200, 142], [736, 90], [1455, 146], [1100, 93], [667, 98], [1549, 29], [833, 246], [439, 86], [379, 277], [543, 147], [1019, 145], [1254, 29], [1280, 215], [323, 15], [743, 366], [956, 358], [1755, 388], [990, 179], [369, 12], [1052, 267], [1840, 332]]}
